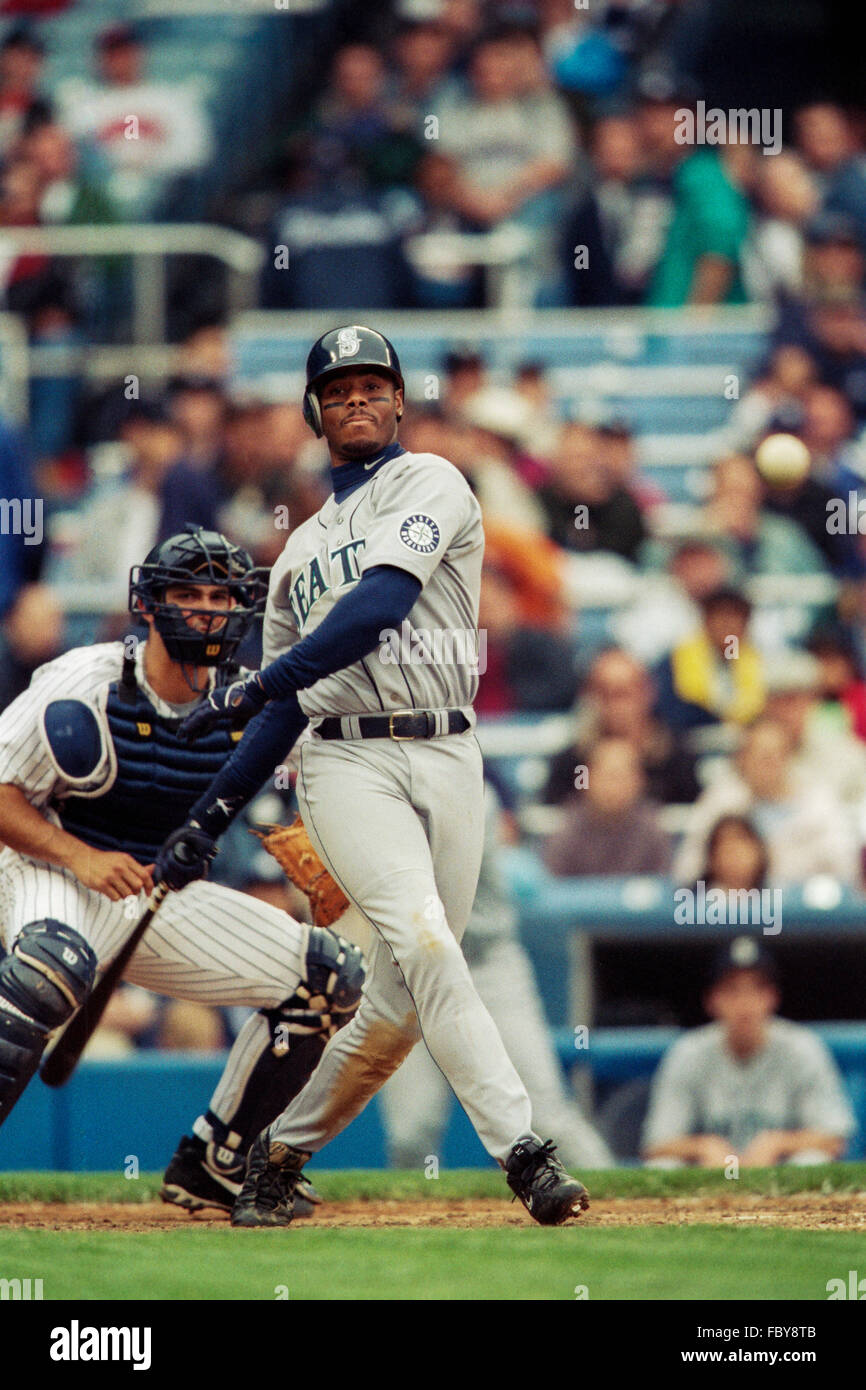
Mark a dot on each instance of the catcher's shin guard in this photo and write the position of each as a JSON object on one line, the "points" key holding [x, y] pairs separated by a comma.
{"points": [[298, 1031], [43, 980]]}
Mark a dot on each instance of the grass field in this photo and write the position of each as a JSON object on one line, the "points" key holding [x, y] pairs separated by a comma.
{"points": [[772, 1234]]}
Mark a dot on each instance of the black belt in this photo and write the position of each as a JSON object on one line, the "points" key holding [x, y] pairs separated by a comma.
{"points": [[420, 723]]}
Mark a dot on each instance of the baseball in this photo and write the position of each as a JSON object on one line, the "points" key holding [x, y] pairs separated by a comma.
{"points": [[783, 459]]}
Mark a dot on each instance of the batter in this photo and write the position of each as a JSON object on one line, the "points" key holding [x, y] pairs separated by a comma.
{"points": [[371, 636]]}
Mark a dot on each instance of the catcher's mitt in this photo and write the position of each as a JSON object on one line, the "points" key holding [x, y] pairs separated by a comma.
{"points": [[290, 845]]}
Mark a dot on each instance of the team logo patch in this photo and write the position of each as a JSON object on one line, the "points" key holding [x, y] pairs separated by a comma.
{"points": [[348, 342], [420, 532]]}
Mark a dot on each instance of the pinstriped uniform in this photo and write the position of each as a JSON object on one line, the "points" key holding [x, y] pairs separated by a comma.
{"points": [[208, 943]]}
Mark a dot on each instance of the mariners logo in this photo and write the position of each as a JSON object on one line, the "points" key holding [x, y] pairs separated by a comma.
{"points": [[348, 342], [420, 532]]}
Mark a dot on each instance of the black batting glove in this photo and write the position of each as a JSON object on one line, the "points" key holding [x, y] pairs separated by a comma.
{"points": [[184, 857], [229, 704]]}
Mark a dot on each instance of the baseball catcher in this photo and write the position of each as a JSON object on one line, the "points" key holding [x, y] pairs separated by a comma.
{"points": [[93, 777]]}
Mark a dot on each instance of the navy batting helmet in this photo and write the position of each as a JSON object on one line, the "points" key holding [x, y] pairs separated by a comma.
{"points": [[352, 346], [196, 556]]}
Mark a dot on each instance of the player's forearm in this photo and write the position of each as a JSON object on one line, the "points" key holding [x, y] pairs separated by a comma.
{"points": [[382, 599], [271, 735], [794, 1141], [26, 830], [688, 1148]]}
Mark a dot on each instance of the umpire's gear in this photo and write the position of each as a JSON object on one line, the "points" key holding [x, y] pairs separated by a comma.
{"points": [[352, 346]]}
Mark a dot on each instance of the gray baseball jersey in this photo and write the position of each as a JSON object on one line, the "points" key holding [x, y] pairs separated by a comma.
{"points": [[399, 823], [418, 513], [701, 1088]]}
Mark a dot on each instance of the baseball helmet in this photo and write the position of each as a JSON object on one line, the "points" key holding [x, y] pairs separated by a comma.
{"points": [[196, 556], [352, 346]]}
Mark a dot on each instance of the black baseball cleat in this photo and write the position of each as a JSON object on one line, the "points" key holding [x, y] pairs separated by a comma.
{"points": [[536, 1176], [267, 1197], [195, 1179]]}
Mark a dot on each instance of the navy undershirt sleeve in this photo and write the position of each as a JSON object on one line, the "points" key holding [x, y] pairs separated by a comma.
{"points": [[266, 738], [384, 596]]}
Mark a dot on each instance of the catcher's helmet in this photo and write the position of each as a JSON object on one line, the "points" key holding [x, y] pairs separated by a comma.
{"points": [[195, 556], [352, 346]]}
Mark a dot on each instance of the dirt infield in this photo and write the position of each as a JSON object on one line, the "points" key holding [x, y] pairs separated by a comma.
{"points": [[803, 1211]]}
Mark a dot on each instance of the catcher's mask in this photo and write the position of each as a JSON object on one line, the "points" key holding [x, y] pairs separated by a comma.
{"points": [[193, 557], [352, 346]]}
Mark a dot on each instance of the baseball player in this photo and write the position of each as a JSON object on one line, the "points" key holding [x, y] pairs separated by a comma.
{"points": [[364, 612], [92, 772]]}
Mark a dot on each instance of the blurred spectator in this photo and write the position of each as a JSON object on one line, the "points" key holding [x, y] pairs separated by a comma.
{"points": [[506, 429], [619, 455], [840, 682], [22, 55], [68, 196], [587, 507], [198, 406], [31, 633], [120, 520], [761, 541], [785, 198], [609, 827], [828, 144], [666, 607], [750, 1084], [774, 402], [129, 1015], [189, 1026], [442, 279], [634, 209], [831, 326], [528, 666], [585, 50], [416, 1100], [828, 431], [805, 827], [737, 857], [238, 494], [825, 750], [715, 674], [700, 263], [424, 52], [358, 140], [834, 256], [146, 133], [617, 702], [836, 466], [513, 142], [465, 374]]}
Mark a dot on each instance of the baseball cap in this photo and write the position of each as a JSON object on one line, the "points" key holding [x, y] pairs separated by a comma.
{"points": [[743, 953]]}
